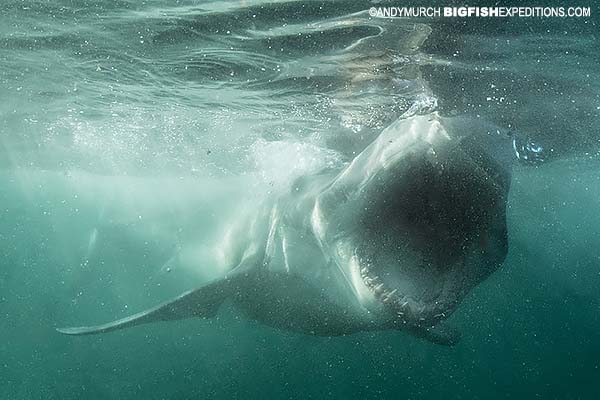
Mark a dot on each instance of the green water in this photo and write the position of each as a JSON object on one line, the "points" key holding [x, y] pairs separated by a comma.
{"points": [[128, 128]]}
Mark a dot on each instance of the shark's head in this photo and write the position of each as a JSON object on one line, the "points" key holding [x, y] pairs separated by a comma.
{"points": [[417, 220]]}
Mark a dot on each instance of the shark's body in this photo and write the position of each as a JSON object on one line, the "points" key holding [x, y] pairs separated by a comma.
{"points": [[393, 241]]}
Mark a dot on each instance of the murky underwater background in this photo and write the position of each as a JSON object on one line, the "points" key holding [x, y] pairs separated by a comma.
{"points": [[128, 128]]}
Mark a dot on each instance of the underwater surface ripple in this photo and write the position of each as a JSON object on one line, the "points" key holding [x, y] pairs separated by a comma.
{"points": [[120, 121]]}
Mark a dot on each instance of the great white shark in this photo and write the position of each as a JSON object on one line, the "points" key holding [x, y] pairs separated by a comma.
{"points": [[395, 240]]}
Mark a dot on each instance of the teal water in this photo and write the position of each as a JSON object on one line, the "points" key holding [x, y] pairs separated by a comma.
{"points": [[128, 129]]}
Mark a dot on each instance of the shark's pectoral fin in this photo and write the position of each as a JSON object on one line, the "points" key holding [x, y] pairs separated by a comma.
{"points": [[203, 302]]}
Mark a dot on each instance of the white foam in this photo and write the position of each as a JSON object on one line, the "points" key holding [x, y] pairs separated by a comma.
{"points": [[279, 163]]}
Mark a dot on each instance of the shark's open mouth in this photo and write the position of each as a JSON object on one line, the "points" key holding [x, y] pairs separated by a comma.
{"points": [[406, 307], [428, 236], [418, 220]]}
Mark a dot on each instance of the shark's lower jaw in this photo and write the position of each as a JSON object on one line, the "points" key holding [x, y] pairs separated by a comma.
{"points": [[403, 308]]}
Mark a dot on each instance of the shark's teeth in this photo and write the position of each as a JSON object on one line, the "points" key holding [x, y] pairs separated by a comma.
{"points": [[405, 309]]}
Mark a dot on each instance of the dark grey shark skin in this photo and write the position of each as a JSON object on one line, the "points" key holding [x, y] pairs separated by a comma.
{"points": [[393, 241]]}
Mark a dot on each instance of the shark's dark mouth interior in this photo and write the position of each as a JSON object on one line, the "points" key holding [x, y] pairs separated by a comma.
{"points": [[413, 288], [433, 232]]}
